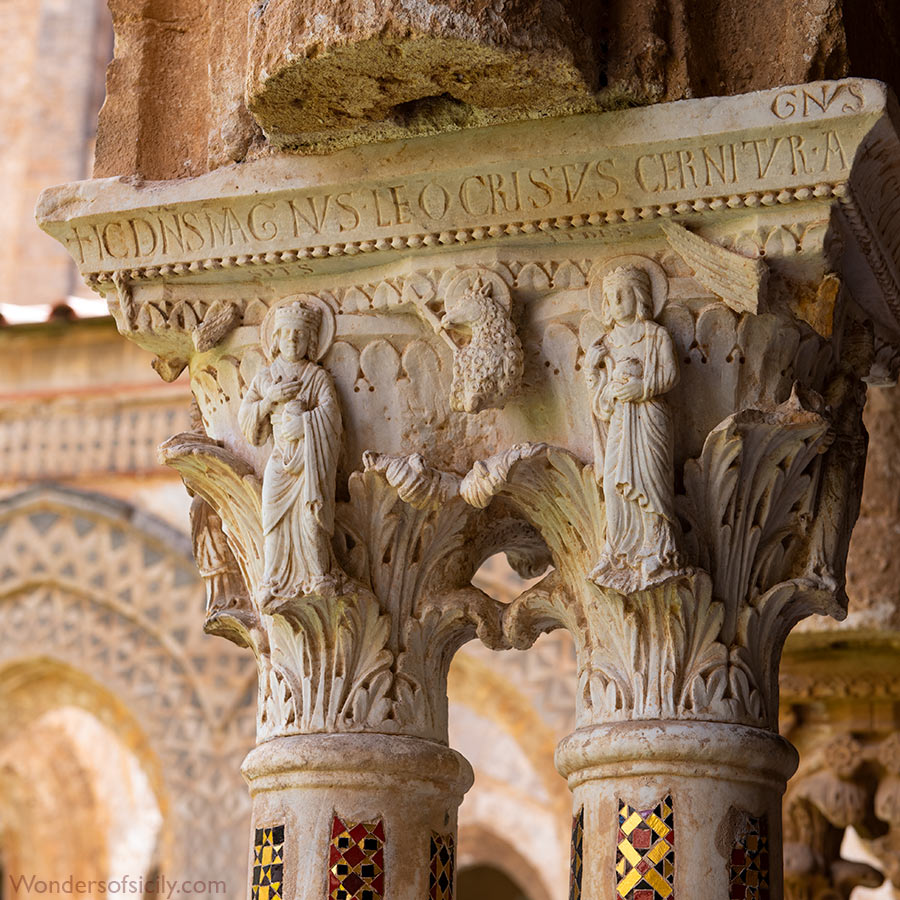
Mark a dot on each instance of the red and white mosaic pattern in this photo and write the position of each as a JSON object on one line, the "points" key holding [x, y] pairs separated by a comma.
{"points": [[750, 863]]}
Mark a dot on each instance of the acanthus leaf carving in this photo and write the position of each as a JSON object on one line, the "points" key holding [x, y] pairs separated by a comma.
{"points": [[702, 646], [232, 489], [403, 535], [653, 652], [748, 497], [331, 654], [845, 780]]}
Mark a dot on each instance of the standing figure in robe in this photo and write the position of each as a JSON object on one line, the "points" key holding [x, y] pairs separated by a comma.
{"points": [[630, 367], [294, 401], [215, 561]]}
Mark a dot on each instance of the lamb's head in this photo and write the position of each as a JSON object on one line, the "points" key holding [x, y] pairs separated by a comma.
{"points": [[470, 307], [487, 370]]}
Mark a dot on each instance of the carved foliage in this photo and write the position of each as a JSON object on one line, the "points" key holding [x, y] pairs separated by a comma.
{"points": [[739, 281], [330, 669], [703, 645], [651, 654], [412, 556]]}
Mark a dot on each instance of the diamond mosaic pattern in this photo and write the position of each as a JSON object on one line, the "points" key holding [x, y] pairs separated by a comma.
{"points": [[750, 863], [268, 864], [443, 860], [356, 860], [577, 855], [645, 853]]}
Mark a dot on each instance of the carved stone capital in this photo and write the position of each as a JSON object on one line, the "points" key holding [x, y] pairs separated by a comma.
{"points": [[646, 360], [847, 779], [634, 345]]}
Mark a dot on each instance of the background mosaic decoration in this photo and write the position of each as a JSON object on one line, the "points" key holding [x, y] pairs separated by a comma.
{"points": [[645, 853], [577, 863], [356, 860], [750, 862], [443, 862], [268, 864]]}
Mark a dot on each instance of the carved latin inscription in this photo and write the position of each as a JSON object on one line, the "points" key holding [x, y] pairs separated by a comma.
{"points": [[535, 191]]}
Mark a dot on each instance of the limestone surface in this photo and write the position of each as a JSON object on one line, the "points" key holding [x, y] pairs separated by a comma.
{"points": [[320, 71]]}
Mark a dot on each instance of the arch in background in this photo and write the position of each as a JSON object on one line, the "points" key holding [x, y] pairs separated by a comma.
{"points": [[100, 608]]}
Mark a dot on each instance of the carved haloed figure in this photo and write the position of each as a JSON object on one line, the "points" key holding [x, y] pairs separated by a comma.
{"points": [[630, 367], [295, 402]]}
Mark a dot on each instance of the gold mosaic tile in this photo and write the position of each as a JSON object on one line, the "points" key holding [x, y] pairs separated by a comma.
{"points": [[268, 864], [645, 852], [443, 861], [577, 859]]}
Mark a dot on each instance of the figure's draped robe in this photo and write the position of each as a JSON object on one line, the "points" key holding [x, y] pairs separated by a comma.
{"points": [[299, 480], [637, 468], [215, 561]]}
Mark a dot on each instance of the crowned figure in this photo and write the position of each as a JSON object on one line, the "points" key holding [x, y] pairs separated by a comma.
{"points": [[293, 401]]}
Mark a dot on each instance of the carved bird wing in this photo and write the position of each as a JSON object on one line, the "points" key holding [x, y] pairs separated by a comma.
{"points": [[231, 488], [220, 319], [739, 281]]}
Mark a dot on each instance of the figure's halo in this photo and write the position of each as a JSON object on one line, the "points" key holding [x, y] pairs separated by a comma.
{"points": [[659, 281], [466, 279], [327, 325]]}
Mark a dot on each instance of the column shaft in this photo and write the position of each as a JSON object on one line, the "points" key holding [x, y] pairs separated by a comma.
{"points": [[355, 814], [682, 809]]}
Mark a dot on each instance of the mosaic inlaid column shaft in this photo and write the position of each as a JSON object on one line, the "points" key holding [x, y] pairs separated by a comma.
{"points": [[631, 345], [359, 817], [674, 804]]}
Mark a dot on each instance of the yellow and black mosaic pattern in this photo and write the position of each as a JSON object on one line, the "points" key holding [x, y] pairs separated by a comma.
{"points": [[577, 859], [645, 853], [268, 864], [356, 860], [443, 858]]}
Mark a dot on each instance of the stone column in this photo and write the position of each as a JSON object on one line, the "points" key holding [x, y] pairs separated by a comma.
{"points": [[631, 345], [840, 687], [354, 610]]}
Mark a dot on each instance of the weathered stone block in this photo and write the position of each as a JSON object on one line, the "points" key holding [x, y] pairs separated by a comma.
{"points": [[325, 73]]}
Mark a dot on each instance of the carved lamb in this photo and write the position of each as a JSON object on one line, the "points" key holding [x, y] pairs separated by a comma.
{"points": [[487, 370]]}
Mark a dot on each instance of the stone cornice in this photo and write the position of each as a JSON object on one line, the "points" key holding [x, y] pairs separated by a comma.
{"points": [[591, 176]]}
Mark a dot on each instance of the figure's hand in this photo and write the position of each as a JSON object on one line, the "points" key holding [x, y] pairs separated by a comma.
{"points": [[595, 356], [283, 391], [608, 395], [630, 391]]}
